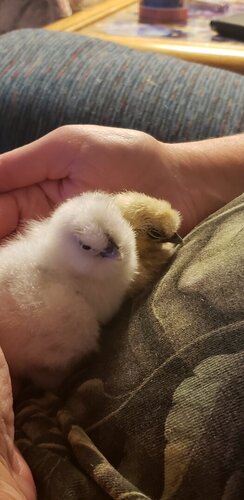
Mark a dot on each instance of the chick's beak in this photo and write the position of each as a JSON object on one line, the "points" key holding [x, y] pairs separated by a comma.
{"points": [[176, 239], [111, 251]]}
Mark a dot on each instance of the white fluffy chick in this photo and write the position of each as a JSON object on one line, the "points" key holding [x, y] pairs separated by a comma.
{"points": [[59, 281]]}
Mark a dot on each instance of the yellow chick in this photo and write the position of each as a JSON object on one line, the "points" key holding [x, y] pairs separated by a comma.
{"points": [[155, 224]]}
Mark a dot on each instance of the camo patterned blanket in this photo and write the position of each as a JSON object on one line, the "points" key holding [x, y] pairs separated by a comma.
{"points": [[159, 413]]}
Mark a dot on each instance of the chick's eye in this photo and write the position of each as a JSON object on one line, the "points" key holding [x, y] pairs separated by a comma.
{"points": [[85, 247], [155, 234]]}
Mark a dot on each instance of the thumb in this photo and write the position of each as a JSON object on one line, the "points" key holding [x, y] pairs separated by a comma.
{"points": [[9, 215], [47, 158]]}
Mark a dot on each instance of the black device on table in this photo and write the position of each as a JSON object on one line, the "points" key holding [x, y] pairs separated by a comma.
{"points": [[229, 26]]}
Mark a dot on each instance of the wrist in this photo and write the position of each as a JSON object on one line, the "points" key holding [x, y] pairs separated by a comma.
{"points": [[175, 185], [210, 174]]}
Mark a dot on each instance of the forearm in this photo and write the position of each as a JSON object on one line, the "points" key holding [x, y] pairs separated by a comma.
{"points": [[209, 173]]}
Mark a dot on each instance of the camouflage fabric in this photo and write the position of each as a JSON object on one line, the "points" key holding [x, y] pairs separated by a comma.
{"points": [[159, 413]]}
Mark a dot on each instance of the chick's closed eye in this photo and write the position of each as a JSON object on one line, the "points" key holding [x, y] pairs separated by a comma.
{"points": [[155, 234], [110, 248], [160, 236], [85, 247]]}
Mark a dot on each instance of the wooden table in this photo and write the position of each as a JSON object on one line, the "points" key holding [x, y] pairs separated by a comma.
{"points": [[90, 22]]}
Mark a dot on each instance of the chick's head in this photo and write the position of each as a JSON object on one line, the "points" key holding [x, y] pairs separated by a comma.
{"points": [[93, 238], [155, 224]]}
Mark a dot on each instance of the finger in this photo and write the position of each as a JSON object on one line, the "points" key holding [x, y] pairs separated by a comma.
{"points": [[6, 413], [15, 486], [9, 215], [15, 477], [47, 158], [22, 475], [22, 205]]}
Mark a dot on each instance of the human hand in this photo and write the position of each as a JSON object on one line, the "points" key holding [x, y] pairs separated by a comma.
{"points": [[73, 159], [15, 477], [195, 178]]}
